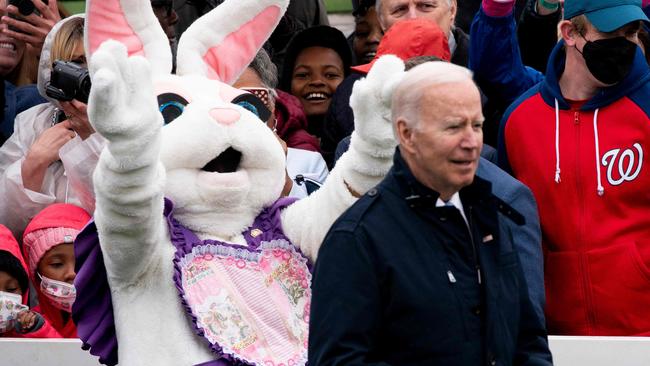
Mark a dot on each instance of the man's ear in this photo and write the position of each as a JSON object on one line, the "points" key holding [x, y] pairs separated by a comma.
{"points": [[453, 10], [568, 32], [404, 133]]}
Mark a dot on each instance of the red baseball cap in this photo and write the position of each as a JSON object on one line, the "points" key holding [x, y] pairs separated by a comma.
{"points": [[411, 38]]}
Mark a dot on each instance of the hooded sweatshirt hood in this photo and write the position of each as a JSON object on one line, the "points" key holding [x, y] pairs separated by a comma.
{"points": [[552, 95], [550, 88], [9, 244], [292, 123], [45, 63]]}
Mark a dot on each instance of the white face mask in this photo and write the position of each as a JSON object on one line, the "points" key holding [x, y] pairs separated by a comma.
{"points": [[10, 306], [62, 294]]}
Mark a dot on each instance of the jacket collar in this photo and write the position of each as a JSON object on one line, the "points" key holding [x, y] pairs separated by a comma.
{"points": [[408, 187], [550, 88], [460, 54]]}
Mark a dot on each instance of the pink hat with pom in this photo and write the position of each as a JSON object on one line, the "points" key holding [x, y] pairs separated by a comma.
{"points": [[56, 224]]}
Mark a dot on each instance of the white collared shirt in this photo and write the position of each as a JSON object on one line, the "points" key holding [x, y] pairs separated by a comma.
{"points": [[454, 201]]}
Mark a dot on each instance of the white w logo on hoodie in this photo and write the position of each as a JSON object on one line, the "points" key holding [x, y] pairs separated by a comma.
{"points": [[626, 172]]}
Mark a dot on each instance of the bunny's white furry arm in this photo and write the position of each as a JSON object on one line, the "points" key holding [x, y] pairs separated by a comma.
{"points": [[363, 166], [129, 179]]}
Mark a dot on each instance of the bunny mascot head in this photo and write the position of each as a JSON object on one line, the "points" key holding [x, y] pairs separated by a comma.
{"points": [[211, 115], [199, 260]]}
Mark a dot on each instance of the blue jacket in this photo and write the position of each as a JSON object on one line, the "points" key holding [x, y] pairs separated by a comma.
{"points": [[527, 238], [495, 59], [17, 100], [396, 282]]}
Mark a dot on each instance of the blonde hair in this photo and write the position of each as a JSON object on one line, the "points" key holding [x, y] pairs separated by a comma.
{"points": [[66, 40], [580, 23]]}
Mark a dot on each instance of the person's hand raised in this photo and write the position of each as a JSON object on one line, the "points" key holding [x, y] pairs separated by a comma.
{"points": [[32, 28]]}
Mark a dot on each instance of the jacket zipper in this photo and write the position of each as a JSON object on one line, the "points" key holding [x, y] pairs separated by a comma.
{"points": [[474, 251], [580, 230]]}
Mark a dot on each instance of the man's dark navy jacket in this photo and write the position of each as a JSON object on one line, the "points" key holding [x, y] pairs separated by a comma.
{"points": [[396, 282]]}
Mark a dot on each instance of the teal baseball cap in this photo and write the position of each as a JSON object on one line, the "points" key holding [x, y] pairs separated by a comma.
{"points": [[606, 15]]}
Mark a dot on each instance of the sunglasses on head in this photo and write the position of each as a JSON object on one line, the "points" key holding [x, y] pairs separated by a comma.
{"points": [[263, 94]]}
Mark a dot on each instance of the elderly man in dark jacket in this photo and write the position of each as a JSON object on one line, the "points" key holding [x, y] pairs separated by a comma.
{"points": [[422, 269]]}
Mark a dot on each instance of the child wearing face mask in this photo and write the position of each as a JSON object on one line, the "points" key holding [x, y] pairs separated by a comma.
{"points": [[16, 319], [49, 252]]}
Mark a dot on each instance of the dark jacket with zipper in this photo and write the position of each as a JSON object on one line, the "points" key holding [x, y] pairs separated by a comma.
{"points": [[401, 282]]}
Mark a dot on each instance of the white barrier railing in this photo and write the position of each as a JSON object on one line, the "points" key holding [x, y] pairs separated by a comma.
{"points": [[600, 351], [567, 351]]}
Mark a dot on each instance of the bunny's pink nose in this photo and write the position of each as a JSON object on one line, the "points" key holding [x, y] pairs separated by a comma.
{"points": [[225, 116]]}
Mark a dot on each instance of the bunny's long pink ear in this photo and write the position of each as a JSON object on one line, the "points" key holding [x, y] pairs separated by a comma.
{"points": [[222, 43], [131, 22]]}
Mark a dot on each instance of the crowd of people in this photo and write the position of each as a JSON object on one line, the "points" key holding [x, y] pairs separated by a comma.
{"points": [[516, 205]]}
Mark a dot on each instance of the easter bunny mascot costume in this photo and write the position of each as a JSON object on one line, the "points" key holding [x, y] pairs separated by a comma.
{"points": [[200, 261]]}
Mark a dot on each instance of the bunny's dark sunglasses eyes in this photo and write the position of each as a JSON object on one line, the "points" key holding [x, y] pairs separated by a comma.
{"points": [[253, 104], [171, 106]]}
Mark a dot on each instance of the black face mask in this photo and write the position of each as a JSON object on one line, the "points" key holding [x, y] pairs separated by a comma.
{"points": [[609, 60]]}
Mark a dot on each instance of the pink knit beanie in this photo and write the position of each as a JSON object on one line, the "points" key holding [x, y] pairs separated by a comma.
{"points": [[56, 224]]}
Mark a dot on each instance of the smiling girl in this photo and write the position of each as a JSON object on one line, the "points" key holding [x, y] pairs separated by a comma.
{"points": [[317, 61]]}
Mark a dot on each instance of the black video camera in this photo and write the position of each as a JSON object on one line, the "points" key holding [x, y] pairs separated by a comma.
{"points": [[25, 7], [68, 81]]}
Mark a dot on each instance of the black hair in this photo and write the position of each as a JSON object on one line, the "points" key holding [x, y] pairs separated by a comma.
{"points": [[318, 36], [11, 265], [360, 7]]}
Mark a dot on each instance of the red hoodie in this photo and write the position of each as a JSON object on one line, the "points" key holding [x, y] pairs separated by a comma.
{"points": [[588, 168], [9, 244], [292, 123]]}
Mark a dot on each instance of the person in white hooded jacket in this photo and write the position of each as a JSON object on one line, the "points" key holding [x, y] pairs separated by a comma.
{"points": [[46, 161]]}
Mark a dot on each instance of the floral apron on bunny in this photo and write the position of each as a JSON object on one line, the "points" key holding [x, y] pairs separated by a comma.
{"points": [[251, 303]]}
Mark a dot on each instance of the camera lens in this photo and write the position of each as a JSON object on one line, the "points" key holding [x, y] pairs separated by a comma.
{"points": [[84, 89]]}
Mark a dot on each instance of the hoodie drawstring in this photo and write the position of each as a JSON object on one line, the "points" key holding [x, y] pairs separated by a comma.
{"points": [[601, 189], [67, 185], [557, 142]]}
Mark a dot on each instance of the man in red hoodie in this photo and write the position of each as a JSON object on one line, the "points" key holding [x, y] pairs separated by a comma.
{"points": [[580, 139]]}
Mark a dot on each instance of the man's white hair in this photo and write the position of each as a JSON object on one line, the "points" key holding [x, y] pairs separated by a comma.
{"points": [[407, 98]]}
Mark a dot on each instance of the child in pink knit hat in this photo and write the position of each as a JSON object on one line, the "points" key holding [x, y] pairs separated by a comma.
{"points": [[49, 252]]}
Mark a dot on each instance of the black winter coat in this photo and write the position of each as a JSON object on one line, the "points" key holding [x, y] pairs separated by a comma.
{"points": [[396, 283]]}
